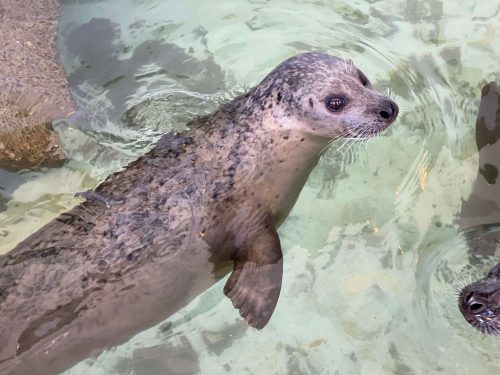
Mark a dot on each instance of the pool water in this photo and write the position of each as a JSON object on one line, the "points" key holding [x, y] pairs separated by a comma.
{"points": [[372, 252]]}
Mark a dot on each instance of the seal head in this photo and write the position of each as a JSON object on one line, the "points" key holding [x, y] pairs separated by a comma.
{"points": [[479, 302], [325, 95]]}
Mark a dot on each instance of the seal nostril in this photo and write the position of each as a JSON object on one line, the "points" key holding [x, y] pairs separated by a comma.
{"points": [[385, 114], [474, 307], [390, 110]]}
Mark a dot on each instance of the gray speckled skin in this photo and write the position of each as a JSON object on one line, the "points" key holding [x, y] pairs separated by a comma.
{"points": [[479, 219], [153, 236]]}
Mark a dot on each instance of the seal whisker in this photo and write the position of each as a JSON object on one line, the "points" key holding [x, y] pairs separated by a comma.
{"points": [[355, 141], [494, 330], [402, 109], [326, 147], [344, 60], [329, 144], [360, 144], [347, 141], [462, 283], [390, 94], [362, 132], [365, 141], [347, 147]]}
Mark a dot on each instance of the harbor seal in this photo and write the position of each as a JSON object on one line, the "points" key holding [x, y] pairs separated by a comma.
{"points": [[200, 204], [479, 302]]}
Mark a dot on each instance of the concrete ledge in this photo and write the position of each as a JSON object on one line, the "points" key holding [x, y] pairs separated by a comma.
{"points": [[33, 86]]}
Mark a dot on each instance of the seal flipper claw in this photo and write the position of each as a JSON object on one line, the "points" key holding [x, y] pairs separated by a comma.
{"points": [[255, 283]]}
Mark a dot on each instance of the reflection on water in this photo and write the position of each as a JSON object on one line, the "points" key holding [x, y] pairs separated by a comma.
{"points": [[372, 256]]}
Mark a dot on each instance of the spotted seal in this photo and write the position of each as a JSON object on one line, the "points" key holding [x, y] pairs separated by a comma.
{"points": [[479, 302], [198, 205]]}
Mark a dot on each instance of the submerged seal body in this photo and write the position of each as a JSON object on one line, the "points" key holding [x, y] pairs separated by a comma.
{"points": [[200, 204], [479, 302]]}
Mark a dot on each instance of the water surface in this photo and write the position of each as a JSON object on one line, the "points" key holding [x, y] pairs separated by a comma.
{"points": [[372, 254]]}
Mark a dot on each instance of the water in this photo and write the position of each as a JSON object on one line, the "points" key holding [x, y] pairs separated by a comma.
{"points": [[372, 256]]}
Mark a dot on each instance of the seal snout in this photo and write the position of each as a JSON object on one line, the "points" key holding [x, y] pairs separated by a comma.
{"points": [[479, 303], [389, 111]]}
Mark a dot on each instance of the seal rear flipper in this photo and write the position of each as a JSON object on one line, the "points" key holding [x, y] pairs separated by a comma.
{"points": [[255, 283]]}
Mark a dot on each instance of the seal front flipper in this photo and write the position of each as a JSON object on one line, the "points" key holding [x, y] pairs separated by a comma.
{"points": [[255, 283]]}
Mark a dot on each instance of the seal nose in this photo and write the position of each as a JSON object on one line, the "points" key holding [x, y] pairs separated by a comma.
{"points": [[390, 111]]}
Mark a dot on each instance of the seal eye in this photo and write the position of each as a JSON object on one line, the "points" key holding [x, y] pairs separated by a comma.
{"points": [[336, 103]]}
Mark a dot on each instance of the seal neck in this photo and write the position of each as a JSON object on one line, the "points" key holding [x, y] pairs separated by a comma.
{"points": [[286, 160], [286, 130]]}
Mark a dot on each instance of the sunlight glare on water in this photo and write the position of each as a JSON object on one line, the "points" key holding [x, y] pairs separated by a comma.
{"points": [[372, 253]]}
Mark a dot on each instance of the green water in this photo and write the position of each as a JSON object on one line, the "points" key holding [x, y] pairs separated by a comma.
{"points": [[372, 254]]}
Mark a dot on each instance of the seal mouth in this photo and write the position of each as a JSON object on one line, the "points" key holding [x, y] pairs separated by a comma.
{"points": [[386, 115], [368, 130]]}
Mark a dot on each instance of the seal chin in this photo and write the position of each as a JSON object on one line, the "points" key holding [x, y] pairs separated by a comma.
{"points": [[367, 131], [479, 303]]}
